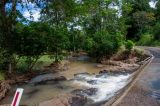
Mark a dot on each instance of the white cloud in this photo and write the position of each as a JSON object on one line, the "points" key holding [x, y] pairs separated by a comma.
{"points": [[33, 13], [30, 11], [153, 4]]}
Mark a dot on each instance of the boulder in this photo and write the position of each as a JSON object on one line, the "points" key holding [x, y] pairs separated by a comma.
{"points": [[100, 65], [85, 92], [42, 79]]}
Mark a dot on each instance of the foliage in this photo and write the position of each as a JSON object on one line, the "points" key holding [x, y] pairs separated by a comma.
{"points": [[129, 45], [139, 19], [157, 10], [89, 43], [147, 18], [3, 59], [105, 44], [156, 31], [57, 42], [99, 27], [2, 76], [146, 39], [30, 42], [44, 60], [156, 43]]}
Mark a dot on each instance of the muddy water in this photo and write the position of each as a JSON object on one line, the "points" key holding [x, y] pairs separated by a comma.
{"points": [[81, 75]]}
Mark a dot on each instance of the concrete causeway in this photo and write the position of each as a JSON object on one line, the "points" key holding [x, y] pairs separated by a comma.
{"points": [[146, 91]]}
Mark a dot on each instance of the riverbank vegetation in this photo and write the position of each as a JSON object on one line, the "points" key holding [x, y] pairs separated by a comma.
{"points": [[100, 28]]}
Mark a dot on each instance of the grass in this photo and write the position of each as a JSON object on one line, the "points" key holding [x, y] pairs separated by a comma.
{"points": [[2, 76], [44, 60]]}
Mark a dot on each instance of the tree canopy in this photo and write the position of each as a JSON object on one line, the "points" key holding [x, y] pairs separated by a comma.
{"points": [[99, 27]]}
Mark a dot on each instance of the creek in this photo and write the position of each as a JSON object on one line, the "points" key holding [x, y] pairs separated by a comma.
{"points": [[83, 78]]}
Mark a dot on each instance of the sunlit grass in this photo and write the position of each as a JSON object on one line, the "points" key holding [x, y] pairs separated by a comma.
{"points": [[1, 76], [44, 60]]}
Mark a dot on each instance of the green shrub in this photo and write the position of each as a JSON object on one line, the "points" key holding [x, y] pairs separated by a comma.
{"points": [[129, 45], [156, 31], [105, 44], [89, 42], [156, 43], [145, 40], [139, 52], [3, 59]]}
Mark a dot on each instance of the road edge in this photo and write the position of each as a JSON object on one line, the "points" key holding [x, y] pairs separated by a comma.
{"points": [[118, 98]]}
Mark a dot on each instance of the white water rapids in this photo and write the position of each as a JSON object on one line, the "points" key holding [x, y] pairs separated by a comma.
{"points": [[106, 85], [96, 87]]}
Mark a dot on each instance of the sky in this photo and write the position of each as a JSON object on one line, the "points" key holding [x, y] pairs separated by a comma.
{"points": [[152, 4], [35, 11], [30, 10]]}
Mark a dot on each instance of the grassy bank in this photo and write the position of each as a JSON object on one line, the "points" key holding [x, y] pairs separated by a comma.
{"points": [[44, 60], [2, 76]]}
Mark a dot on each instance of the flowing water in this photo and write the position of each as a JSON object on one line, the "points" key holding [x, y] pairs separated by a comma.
{"points": [[106, 85], [82, 76]]}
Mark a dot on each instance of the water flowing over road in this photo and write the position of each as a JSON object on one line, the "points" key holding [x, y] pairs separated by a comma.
{"points": [[146, 91], [83, 79]]}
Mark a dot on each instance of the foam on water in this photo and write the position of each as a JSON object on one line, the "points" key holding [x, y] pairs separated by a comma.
{"points": [[107, 85]]}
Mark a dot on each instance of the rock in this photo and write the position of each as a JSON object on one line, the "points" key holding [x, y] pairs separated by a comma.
{"points": [[104, 71], [61, 78], [43, 79], [111, 62], [78, 101], [77, 92], [93, 82], [85, 73], [65, 100], [100, 66], [90, 91], [86, 92], [58, 66], [64, 65]]}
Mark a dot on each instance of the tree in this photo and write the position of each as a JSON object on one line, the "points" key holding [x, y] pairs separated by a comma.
{"points": [[103, 27], [7, 27], [105, 44], [156, 31], [30, 42], [58, 41], [143, 20], [157, 12], [137, 8]]}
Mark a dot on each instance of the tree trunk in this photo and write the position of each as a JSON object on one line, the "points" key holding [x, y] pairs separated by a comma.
{"points": [[10, 68], [56, 57]]}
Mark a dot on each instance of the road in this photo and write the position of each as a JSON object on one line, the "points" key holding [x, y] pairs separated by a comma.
{"points": [[146, 91]]}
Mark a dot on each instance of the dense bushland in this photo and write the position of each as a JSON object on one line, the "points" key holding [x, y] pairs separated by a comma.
{"points": [[99, 27]]}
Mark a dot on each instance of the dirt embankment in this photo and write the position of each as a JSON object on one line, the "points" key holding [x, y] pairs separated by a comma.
{"points": [[123, 62]]}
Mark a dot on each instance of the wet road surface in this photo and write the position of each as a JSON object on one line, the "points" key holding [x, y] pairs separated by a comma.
{"points": [[146, 91]]}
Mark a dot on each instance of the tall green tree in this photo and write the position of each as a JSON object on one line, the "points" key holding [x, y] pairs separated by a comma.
{"points": [[138, 8], [8, 21], [103, 27]]}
